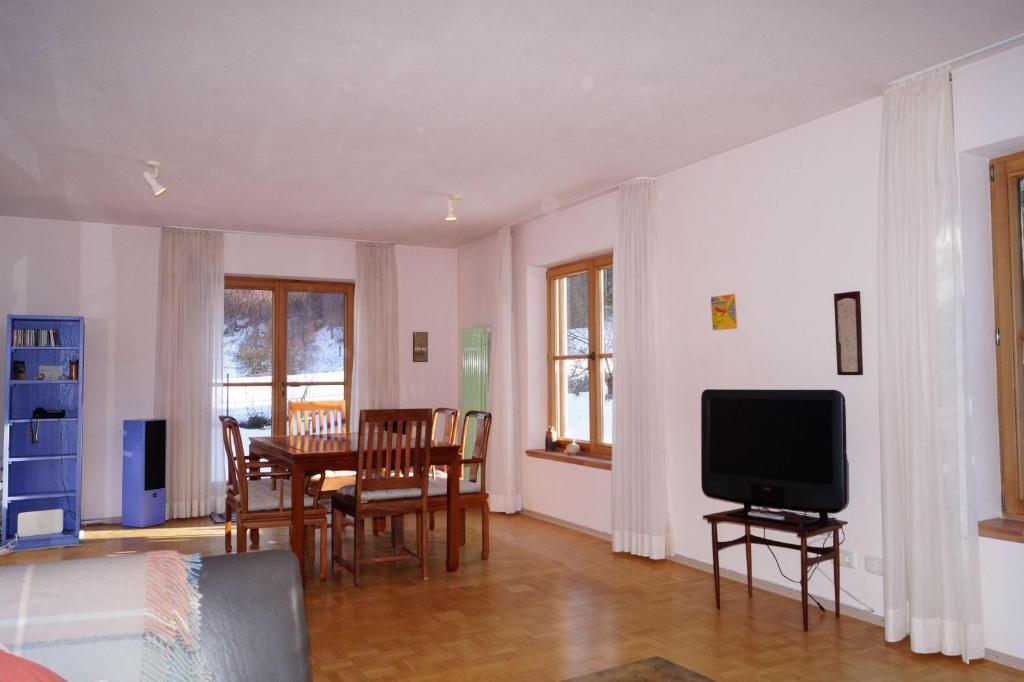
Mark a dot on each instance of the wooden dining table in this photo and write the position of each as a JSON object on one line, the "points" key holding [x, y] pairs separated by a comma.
{"points": [[303, 455]]}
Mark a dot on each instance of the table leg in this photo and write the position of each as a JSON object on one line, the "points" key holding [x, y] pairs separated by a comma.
{"points": [[454, 546], [803, 576], [714, 561], [750, 579], [298, 536], [835, 565]]}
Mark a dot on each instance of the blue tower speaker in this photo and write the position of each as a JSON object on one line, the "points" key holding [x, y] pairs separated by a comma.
{"points": [[144, 473]]}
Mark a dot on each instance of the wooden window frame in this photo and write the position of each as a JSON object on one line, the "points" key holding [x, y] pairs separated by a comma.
{"points": [[1006, 174], [592, 266], [280, 287]]}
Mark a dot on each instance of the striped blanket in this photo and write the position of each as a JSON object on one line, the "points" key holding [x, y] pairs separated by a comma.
{"points": [[114, 618]]}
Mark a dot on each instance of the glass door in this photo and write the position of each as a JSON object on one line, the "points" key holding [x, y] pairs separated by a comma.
{"points": [[316, 353], [248, 358], [284, 341]]}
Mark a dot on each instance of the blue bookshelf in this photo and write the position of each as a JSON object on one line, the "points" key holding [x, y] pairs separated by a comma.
{"points": [[42, 463]]}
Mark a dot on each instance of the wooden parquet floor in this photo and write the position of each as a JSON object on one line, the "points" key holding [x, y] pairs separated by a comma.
{"points": [[550, 604]]}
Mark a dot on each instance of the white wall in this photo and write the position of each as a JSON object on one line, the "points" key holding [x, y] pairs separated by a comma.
{"points": [[565, 491], [574, 493], [108, 274], [784, 223]]}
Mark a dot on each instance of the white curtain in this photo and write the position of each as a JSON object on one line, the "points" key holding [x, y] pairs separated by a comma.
{"points": [[640, 491], [504, 482], [929, 528], [190, 331], [376, 320]]}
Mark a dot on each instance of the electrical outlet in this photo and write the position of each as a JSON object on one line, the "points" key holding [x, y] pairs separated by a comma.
{"points": [[847, 558], [873, 564]]}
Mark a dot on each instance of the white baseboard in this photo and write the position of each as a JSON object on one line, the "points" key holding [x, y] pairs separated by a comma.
{"points": [[566, 524], [1004, 659]]}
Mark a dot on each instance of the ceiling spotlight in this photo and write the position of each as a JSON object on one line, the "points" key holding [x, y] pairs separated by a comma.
{"points": [[151, 175], [452, 198]]}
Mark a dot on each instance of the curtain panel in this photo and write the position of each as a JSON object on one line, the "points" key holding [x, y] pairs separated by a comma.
{"points": [[640, 490], [190, 330], [931, 589], [504, 478], [376, 319]]}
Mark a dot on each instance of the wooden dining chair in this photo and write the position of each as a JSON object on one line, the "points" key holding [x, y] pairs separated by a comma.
{"points": [[442, 430], [316, 417], [255, 504], [308, 418], [472, 477], [444, 424], [391, 481]]}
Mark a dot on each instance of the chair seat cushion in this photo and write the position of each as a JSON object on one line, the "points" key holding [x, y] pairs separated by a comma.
{"points": [[439, 486], [263, 498], [349, 491]]}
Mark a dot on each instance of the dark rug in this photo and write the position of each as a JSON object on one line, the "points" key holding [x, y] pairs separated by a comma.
{"points": [[648, 670]]}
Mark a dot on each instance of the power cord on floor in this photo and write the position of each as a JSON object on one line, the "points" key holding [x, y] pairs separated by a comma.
{"points": [[764, 534], [814, 570]]}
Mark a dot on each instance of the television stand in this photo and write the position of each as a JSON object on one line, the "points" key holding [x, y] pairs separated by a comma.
{"points": [[804, 527]]}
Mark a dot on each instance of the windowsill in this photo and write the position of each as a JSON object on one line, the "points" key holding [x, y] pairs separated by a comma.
{"points": [[579, 460], [1011, 530]]}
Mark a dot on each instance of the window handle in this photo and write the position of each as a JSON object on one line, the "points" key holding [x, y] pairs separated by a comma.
{"points": [[592, 356]]}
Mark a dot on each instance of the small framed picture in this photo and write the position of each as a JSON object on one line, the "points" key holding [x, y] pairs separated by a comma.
{"points": [[419, 346], [849, 357], [723, 311]]}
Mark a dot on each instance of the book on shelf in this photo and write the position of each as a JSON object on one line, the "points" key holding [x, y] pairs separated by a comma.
{"points": [[35, 338]]}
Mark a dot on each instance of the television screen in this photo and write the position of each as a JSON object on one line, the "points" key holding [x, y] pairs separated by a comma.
{"points": [[775, 448]]}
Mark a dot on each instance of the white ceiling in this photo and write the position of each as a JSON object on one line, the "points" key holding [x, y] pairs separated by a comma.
{"points": [[355, 119]]}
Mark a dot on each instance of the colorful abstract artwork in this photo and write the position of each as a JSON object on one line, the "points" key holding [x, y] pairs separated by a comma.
{"points": [[723, 312]]}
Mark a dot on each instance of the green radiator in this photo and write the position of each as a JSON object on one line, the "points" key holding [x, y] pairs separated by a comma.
{"points": [[474, 372]]}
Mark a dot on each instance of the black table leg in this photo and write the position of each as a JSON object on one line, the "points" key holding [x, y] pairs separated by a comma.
{"points": [[714, 560], [803, 576], [750, 579], [835, 565]]}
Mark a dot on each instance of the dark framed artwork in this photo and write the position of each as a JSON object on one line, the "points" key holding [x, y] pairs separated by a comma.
{"points": [[419, 346], [849, 355]]}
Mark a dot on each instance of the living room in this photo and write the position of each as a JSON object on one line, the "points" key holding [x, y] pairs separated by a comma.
{"points": [[777, 201]]}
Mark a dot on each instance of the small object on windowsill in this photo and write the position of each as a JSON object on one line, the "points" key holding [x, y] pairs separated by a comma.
{"points": [[550, 441], [573, 448]]}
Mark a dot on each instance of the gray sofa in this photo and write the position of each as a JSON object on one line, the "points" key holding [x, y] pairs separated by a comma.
{"points": [[254, 618], [252, 627]]}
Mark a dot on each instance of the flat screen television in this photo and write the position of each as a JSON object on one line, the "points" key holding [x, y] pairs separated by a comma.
{"points": [[781, 449]]}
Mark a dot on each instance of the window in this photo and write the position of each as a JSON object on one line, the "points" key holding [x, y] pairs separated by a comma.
{"points": [[580, 345], [1007, 270], [284, 340]]}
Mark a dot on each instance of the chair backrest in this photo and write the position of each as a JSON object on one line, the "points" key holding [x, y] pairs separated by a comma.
{"points": [[446, 421], [238, 483], [307, 418], [394, 450], [480, 424]]}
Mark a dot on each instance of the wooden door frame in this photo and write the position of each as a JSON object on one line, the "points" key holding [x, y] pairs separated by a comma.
{"points": [[279, 288], [1006, 173]]}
